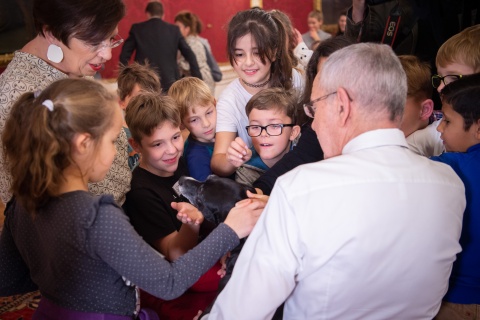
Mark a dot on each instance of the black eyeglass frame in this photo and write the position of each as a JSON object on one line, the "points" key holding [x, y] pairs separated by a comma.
{"points": [[281, 125], [440, 79]]}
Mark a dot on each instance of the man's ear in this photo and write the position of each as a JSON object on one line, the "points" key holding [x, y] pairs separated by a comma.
{"points": [[135, 145], [344, 107], [427, 109], [295, 132]]}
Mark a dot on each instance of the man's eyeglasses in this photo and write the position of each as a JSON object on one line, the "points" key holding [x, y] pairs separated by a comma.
{"points": [[271, 129], [112, 43], [437, 79], [309, 107]]}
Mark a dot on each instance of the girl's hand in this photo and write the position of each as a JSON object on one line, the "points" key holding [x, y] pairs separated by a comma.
{"points": [[243, 217], [298, 37], [223, 261], [187, 213], [238, 152]]}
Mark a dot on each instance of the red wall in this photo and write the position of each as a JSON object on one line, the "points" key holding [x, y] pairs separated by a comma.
{"points": [[214, 15]]}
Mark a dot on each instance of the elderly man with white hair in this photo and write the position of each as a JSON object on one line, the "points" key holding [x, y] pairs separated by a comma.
{"points": [[369, 233]]}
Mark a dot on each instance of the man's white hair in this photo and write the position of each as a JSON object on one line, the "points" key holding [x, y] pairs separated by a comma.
{"points": [[371, 74]]}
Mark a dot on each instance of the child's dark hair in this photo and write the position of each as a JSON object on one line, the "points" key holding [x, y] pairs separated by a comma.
{"points": [[291, 37], [137, 74], [464, 97], [38, 135], [146, 111], [188, 19], [270, 36], [325, 49], [275, 99]]}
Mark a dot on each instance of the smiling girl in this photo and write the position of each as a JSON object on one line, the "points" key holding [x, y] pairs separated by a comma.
{"points": [[257, 52]]}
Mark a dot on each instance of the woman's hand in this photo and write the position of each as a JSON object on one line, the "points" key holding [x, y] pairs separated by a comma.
{"points": [[238, 152], [314, 35], [187, 213]]}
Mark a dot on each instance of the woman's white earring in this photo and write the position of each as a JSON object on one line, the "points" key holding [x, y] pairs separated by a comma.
{"points": [[54, 53]]}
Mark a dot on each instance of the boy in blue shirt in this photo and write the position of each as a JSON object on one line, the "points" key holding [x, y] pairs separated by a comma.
{"points": [[199, 117], [460, 132]]}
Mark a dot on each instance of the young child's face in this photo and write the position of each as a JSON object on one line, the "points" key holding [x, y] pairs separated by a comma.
{"points": [[453, 134], [314, 24], [202, 123], [161, 151], [455, 68], [272, 148], [123, 103], [247, 63], [342, 22], [106, 150]]}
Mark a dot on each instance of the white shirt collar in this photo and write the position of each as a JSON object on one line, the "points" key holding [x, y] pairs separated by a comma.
{"points": [[376, 138]]}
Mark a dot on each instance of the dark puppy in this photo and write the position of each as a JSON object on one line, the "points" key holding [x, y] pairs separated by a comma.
{"points": [[214, 198]]}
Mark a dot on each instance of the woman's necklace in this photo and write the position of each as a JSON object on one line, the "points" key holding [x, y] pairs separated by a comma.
{"points": [[261, 85]]}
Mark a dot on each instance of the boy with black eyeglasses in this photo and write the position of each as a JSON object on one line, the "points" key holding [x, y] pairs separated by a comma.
{"points": [[457, 57], [272, 115]]}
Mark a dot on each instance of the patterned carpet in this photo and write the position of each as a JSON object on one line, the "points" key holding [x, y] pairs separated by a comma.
{"points": [[19, 307]]}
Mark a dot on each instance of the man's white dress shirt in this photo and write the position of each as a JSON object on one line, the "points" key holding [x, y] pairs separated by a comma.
{"points": [[370, 234]]}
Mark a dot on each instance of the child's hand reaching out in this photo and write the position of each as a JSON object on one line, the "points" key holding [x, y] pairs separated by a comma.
{"points": [[238, 152], [187, 213]]}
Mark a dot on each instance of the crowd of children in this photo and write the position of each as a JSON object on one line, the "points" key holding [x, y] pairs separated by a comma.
{"points": [[72, 127]]}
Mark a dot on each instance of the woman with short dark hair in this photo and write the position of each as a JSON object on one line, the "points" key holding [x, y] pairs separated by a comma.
{"points": [[73, 39]]}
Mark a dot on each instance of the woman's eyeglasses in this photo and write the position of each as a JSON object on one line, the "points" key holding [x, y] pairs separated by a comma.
{"points": [[112, 43]]}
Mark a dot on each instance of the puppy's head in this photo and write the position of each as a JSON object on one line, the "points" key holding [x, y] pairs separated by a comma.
{"points": [[214, 197]]}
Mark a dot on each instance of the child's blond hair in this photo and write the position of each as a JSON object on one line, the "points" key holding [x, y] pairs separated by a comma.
{"points": [[418, 77], [317, 14], [463, 48], [189, 92], [147, 111]]}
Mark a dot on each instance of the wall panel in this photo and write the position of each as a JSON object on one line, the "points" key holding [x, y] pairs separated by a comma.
{"points": [[214, 14]]}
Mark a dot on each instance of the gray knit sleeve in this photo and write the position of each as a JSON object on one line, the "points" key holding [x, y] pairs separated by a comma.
{"points": [[112, 238]]}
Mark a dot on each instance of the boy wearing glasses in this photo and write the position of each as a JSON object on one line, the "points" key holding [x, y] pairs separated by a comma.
{"points": [[273, 128], [460, 132], [457, 57]]}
